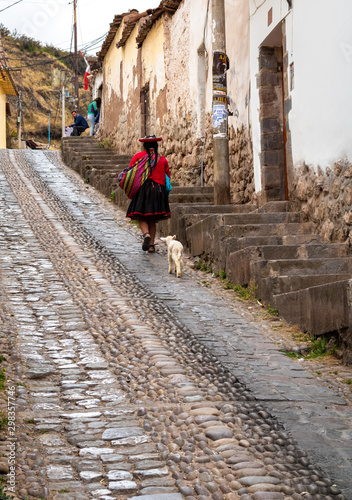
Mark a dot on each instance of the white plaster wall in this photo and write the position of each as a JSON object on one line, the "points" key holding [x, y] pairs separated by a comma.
{"points": [[111, 68], [238, 50], [259, 30], [320, 44], [98, 80], [198, 20]]}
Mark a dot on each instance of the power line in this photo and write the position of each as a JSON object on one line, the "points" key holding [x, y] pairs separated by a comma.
{"points": [[18, 1], [43, 63]]}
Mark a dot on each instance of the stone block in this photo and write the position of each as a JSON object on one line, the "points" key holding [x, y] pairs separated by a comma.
{"points": [[272, 178], [318, 309], [270, 125], [268, 79], [272, 141], [267, 95], [268, 61]]}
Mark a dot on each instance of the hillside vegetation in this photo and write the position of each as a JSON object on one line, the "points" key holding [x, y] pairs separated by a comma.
{"points": [[40, 73]]}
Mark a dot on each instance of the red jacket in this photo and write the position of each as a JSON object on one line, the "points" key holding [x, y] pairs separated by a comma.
{"points": [[162, 168]]}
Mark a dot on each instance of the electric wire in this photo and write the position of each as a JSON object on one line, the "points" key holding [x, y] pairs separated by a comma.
{"points": [[18, 1]]}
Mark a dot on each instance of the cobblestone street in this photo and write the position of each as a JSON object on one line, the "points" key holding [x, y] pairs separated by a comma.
{"points": [[131, 383]]}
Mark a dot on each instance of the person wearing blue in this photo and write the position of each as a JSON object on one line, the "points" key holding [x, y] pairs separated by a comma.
{"points": [[96, 122], [93, 110], [80, 124]]}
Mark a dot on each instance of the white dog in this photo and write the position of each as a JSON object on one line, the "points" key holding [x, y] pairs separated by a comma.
{"points": [[175, 254]]}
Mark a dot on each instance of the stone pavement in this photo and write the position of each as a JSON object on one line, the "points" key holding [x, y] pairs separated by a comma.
{"points": [[131, 383]]}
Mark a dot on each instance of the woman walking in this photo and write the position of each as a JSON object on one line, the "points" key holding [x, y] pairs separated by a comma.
{"points": [[151, 203], [93, 109]]}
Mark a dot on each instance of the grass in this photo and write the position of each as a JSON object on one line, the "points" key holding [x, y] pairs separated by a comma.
{"points": [[246, 292], [3, 421], [2, 358], [221, 274], [106, 143], [293, 355], [317, 349], [112, 196], [272, 311], [2, 378], [347, 381], [203, 266], [3, 495]]}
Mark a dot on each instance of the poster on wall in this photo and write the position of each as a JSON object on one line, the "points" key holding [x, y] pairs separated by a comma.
{"points": [[220, 66], [219, 120]]}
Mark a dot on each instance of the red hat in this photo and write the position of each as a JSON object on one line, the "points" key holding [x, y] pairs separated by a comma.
{"points": [[151, 138]]}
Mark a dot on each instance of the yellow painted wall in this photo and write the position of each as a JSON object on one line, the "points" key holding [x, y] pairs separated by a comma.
{"points": [[153, 60], [2, 118]]}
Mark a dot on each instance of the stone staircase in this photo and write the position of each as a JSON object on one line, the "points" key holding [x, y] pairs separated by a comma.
{"points": [[101, 167], [98, 166], [307, 281]]}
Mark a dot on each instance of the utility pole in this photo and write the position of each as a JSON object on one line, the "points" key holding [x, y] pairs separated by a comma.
{"points": [[49, 131], [19, 119], [63, 111], [76, 54], [220, 122]]}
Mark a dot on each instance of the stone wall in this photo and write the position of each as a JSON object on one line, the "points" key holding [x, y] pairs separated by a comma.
{"points": [[325, 199], [184, 153]]}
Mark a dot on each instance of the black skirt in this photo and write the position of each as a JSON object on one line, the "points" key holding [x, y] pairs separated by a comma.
{"points": [[151, 200]]}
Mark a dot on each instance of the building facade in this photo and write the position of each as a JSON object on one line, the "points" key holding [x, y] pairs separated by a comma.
{"points": [[7, 87], [289, 106]]}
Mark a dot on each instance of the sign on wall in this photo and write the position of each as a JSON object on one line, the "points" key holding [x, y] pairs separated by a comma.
{"points": [[220, 67]]}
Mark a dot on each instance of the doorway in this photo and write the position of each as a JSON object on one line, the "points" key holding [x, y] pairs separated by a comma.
{"points": [[273, 122]]}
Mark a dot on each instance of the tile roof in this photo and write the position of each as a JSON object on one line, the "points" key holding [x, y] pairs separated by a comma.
{"points": [[129, 27], [130, 19], [165, 6], [114, 26]]}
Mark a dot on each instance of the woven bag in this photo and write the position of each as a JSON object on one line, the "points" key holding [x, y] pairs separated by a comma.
{"points": [[132, 178]]}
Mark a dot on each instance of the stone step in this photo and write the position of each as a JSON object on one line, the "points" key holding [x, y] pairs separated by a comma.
{"points": [[238, 263], [93, 154], [317, 309], [275, 206], [299, 251], [109, 165], [208, 237], [181, 212], [71, 139], [189, 189], [226, 260], [288, 284], [266, 273], [191, 197], [297, 267]]}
